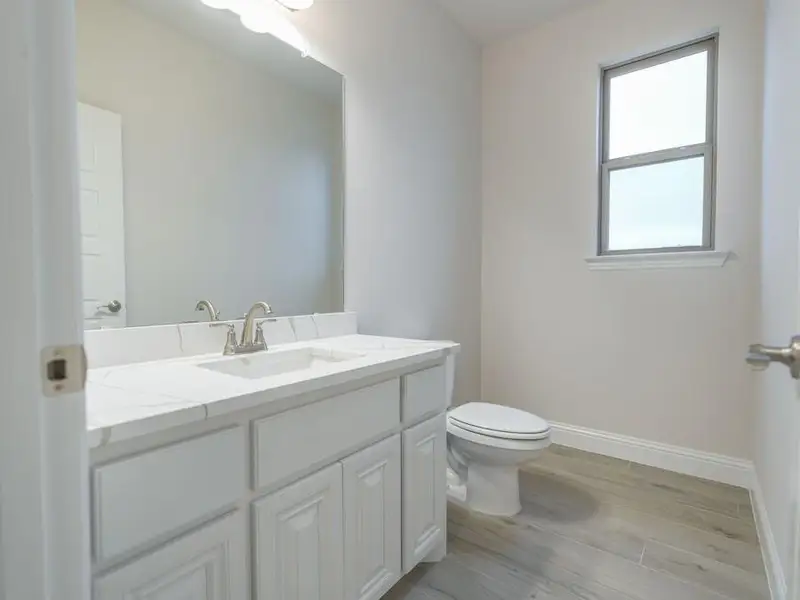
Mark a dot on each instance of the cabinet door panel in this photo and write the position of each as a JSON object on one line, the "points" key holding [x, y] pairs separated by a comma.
{"points": [[372, 518], [209, 564], [299, 540], [424, 490]]}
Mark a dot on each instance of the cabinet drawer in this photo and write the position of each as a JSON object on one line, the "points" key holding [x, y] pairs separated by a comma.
{"points": [[147, 496], [299, 439], [424, 392]]}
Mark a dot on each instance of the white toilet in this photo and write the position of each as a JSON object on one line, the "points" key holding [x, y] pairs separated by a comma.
{"points": [[486, 445]]}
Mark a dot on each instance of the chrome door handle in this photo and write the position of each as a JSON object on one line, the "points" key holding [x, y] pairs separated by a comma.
{"points": [[113, 307], [760, 357]]}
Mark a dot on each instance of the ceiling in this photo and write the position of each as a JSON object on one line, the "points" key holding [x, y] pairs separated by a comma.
{"points": [[492, 20]]}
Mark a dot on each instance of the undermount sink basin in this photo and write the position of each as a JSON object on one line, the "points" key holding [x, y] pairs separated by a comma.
{"points": [[269, 364]]}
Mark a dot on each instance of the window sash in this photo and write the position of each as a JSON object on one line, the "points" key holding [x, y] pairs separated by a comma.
{"points": [[664, 156], [706, 150]]}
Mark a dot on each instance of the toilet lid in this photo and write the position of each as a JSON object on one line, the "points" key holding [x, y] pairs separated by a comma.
{"points": [[498, 421]]}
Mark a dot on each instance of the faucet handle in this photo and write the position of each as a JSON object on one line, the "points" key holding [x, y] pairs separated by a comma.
{"points": [[260, 341], [230, 340]]}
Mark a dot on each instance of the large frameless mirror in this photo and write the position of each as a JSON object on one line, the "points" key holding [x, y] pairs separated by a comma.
{"points": [[211, 167]]}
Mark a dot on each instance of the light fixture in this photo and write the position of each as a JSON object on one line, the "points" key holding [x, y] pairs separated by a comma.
{"points": [[218, 4], [297, 4], [266, 16]]}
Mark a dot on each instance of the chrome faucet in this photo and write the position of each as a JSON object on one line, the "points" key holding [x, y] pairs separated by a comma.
{"points": [[213, 314], [252, 333]]}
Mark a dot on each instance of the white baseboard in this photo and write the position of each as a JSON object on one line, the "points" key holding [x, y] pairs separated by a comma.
{"points": [[716, 467], [769, 549]]}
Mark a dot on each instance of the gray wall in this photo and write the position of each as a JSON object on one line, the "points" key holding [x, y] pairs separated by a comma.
{"points": [[778, 418], [230, 183], [652, 354], [413, 233]]}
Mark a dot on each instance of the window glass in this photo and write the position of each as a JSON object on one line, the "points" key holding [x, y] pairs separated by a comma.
{"points": [[659, 107], [657, 206]]}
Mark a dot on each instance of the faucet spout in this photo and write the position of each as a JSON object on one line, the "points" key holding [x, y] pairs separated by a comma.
{"points": [[213, 313], [248, 331]]}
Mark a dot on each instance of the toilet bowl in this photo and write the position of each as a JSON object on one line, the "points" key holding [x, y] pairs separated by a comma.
{"points": [[486, 445]]}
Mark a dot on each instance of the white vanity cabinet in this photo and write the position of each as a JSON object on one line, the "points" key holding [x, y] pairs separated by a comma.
{"points": [[332, 500]]}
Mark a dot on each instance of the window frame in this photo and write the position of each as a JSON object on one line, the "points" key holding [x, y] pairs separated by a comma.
{"points": [[707, 149]]}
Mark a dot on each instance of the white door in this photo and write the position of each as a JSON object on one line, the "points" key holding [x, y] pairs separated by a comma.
{"points": [[372, 520], [102, 220], [424, 490], [777, 448], [44, 506], [209, 564], [299, 540]]}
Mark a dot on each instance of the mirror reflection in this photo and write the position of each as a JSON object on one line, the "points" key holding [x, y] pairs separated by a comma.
{"points": [[211, 167]]}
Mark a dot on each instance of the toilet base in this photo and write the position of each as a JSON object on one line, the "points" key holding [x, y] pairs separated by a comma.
{"points": [[489, 490]]}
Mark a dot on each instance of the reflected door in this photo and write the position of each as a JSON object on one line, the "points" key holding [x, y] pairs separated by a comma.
{"points": [[102, 221]]}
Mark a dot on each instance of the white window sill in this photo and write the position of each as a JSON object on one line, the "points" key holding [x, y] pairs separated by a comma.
{"points": [[662, 260]]}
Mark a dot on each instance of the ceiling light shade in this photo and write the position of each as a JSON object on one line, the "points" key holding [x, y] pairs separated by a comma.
{"points": [[267, 16], [218, 4], [297, 4], [262, 18], [257, 21]]}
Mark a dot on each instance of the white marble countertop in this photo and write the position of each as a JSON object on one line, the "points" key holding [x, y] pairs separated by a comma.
{"points": [[128, 401]]}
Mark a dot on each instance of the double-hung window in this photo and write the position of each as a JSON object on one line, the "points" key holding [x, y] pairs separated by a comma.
{"points": [[658, 144]]}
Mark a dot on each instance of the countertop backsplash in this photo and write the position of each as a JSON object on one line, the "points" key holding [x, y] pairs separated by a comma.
{"points": [[111, 347]]}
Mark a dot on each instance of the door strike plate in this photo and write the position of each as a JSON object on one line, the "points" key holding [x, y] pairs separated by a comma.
{"points": [[63, 370]]}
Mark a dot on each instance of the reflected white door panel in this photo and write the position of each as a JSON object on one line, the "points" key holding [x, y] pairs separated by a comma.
{"points": [[102, 220]]}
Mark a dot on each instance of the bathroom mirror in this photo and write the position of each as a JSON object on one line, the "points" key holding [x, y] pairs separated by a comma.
{"points": [[211, 167]]}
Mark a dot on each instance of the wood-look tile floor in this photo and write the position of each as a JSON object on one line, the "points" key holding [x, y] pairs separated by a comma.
{"points": [[597, 528]]}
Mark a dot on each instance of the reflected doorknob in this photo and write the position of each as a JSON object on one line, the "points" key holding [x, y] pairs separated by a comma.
{"points": [[113, 307], [760, 357]]}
